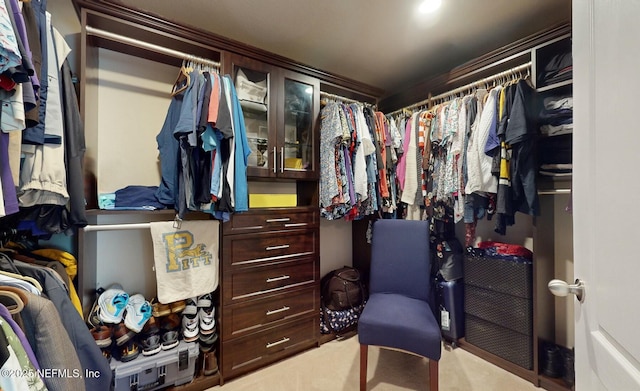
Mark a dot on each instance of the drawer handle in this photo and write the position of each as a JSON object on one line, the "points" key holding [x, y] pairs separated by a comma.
{"points": [[274, 279], [280, 247], [285, 308], [283, 340], [278, 220], [295, 225]]}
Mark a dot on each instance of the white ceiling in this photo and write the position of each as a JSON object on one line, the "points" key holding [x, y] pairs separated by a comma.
{"points": [[383, 43]]}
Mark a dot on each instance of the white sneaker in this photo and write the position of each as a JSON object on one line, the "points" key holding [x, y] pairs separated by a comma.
{"points": [[190, 321], [112, 303], [206, 313], [138, 312]]}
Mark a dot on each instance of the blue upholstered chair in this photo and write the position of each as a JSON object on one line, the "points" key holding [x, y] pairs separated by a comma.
{"points": [[399, 312]]}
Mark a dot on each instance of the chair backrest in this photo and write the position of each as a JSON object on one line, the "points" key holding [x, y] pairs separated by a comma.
{"points": [[400, 258]]}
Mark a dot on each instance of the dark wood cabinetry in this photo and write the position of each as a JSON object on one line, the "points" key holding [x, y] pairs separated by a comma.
{"points": [[279, 107], [270, 287]]}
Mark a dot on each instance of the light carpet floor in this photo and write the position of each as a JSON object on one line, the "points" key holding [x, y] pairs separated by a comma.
{"points": [[335, 366]]}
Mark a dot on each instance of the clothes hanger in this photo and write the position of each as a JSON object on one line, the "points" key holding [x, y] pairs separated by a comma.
{"points": [[20, 292], [12, 301], [28, 279], [182, 81]]}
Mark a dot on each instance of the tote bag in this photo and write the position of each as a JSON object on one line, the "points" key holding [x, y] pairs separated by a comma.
{"points": [[186, 259]]}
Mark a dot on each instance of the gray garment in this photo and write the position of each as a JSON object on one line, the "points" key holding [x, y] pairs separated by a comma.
{"points": [[6, 264], [74, 148], [51, 344], [85, 346]]}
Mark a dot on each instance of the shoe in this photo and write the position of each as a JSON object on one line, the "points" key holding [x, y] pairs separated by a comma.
{"points": [[207, 341], [102, 335], [138, 312], [129, 351], [551, 360], [568, 375], [151, 327], [106, 353], [190, 321], [93, 319], [112, 303], [210, 363], [160, 309], [170, 322], [206, 313], [177, 306], [151, 345], [122, 334], [170, 340]]}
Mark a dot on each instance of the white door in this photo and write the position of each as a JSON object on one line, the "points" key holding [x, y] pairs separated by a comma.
{"points": [[606, 196]]}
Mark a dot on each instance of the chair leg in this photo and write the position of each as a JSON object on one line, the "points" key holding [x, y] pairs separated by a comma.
{"points": [[433, 375], [363, 367]]}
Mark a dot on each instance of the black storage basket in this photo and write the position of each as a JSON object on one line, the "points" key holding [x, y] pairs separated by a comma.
{"points": [[515, 313], [511, 275], [503, 342]]}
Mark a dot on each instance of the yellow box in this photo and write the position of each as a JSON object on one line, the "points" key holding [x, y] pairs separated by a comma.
{"points": [[272, 200]]}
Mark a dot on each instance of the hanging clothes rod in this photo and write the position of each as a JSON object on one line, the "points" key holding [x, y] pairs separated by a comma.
{"points": [[116, 227], [149, 46], [486, 80], [554, 192], [342, 98], [128, 226], [413, 106]]}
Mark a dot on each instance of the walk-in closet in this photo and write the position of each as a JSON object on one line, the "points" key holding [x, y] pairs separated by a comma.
{"points": [[182, 182]]}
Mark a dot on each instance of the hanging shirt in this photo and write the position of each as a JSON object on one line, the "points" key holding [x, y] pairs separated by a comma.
{"points": [[43, 178], [9, 53], [241, 153], [479, 164], [330, 136]]}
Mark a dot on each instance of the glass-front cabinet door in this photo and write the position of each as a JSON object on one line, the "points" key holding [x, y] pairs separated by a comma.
{"points": [[253, 82], [280, 108], [297, 126]]}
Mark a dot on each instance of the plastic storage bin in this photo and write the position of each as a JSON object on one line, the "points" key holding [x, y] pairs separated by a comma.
{"points": [[168, 368]]}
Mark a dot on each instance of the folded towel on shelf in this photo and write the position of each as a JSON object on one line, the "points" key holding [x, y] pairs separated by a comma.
{"points": [[186, 258]]}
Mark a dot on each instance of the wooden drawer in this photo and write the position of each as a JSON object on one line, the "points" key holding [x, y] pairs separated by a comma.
{"points": [[246, 317], [256, 350], [268, 279], [246, 250], [271, 220]]}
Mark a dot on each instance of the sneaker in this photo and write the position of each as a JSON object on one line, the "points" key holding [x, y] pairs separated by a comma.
{"points": [[206, 313], [177, 306], [151, 345], [112, 303], [160, 309], [190, 321], [151, 327], [170, 340], [93, 319], [170, 322], [122, 334], [129, 351], [138, 312], [106, 353], [102, 335], [207, 341]]}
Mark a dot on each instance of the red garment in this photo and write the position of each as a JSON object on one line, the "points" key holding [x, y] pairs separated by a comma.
{"points": [[507, 249]]}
